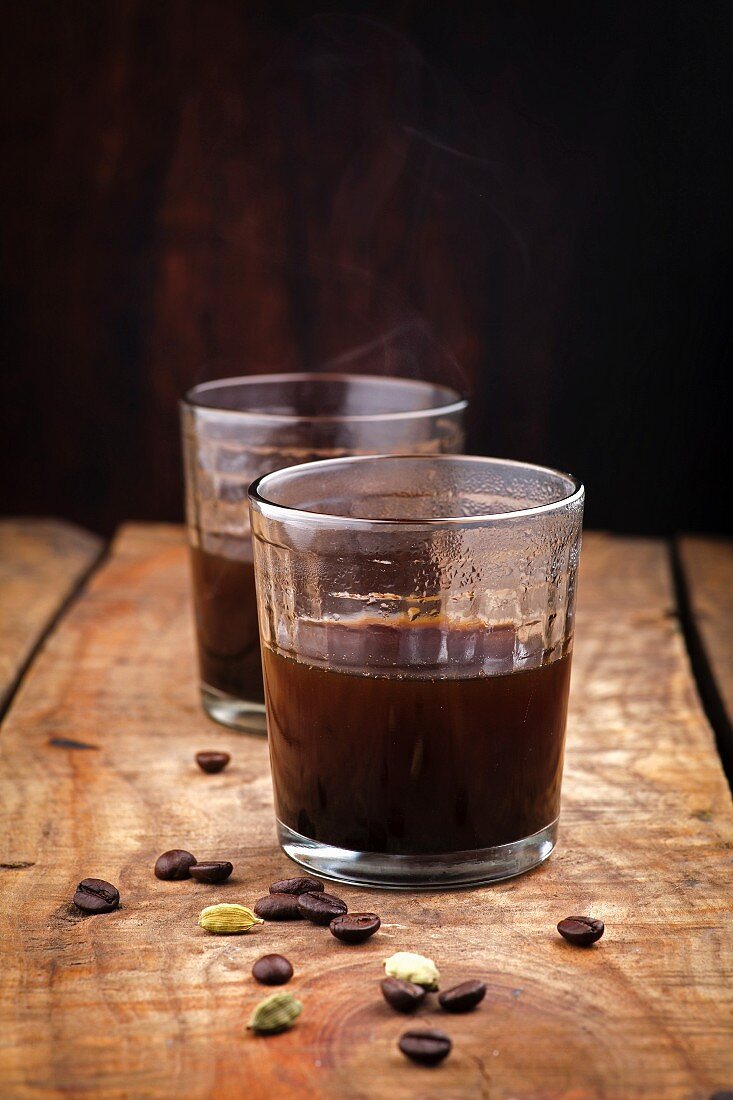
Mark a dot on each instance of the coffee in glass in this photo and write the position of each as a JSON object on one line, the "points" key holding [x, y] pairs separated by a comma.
{"points": [[416, 616], [235, 429]]}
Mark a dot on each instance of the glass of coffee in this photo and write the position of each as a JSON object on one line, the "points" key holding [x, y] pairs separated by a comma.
{"points": [[416, 616], [235, 429]]}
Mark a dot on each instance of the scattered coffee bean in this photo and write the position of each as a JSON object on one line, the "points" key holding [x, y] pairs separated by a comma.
{"points": [[296, 886], [278, 907], [273, 970], [94, 895], [402, 996], [320, 908], [463, 997], [212, 762], [582, 931], [214, 871], [426, 1047], [354, 927], [175, 864]]}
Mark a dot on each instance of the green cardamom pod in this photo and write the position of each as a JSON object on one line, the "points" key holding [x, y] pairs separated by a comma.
{"points": [[228, 919], [413, 968], [276, 1013]]}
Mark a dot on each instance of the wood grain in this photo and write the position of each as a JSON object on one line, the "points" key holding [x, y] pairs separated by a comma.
{"points": [[41, 562], [707, 564], [141, 1003]]}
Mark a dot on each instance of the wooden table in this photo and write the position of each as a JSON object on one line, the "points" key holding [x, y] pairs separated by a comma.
{"points": [[97, 778]]}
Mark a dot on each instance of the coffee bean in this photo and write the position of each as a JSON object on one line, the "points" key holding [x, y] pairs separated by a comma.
{"points": [[212, 762], [582, 931], [463, 997], [278, 907], [320, 908], [175, 864], [296, 886], [273, 970], [402, 996], [94, 895], [214, 871], [426, 1047], [354, 927]]}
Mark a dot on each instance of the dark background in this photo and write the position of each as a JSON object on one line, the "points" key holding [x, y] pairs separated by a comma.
{"points": [[535, 198]]}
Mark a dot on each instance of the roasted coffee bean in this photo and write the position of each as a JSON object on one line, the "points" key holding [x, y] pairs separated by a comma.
{"points": [[212, 762], [94, 895], [273, 970], [582, 931], [354, 927], [217, 870], [320, 908], [175, 864], [463, 997], [278, 907], [402, 996], [426, 1047], [296, 886]]}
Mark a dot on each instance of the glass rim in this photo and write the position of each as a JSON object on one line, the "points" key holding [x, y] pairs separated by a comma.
{"points": [[454, 401], [271, 509]]}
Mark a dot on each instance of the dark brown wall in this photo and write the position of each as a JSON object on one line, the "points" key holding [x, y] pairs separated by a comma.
{"points": [[530, 201]]}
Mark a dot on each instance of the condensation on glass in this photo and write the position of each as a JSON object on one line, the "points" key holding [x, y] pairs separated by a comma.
{"points": [[416, 616]]}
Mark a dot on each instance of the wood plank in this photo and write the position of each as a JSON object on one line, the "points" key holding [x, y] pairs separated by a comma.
{"points": [[707, 565], [142, 1003], [41, 563]]}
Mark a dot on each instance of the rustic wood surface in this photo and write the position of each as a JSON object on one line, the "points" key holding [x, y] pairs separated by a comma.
{"points": [[141, 1003], [707, 564], [41, 563]]}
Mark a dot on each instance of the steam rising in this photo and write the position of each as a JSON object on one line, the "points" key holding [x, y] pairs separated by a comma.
{"points": [[388, 188], [391, 248]]}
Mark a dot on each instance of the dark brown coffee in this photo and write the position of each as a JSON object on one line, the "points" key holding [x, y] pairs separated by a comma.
{"points": [[413, 755], [226, 624]]}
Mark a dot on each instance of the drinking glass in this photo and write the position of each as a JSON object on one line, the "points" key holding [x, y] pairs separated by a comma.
{"points": [[235, 429], [416, 616]]}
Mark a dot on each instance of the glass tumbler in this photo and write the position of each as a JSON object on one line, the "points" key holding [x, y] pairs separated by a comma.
{"points": [[235, 429], [416, 616]]}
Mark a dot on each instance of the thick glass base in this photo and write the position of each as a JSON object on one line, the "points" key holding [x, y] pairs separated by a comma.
{"points": [[238, 714], [437, 872]]}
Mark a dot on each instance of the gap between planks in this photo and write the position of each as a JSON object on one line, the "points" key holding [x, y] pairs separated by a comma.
{"points": [[68, 550]]}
